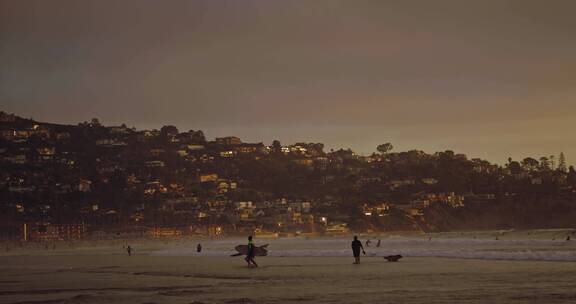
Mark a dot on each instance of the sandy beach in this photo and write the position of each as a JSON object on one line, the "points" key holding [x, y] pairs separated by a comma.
{"points": [[170, 273], [151, 279]]}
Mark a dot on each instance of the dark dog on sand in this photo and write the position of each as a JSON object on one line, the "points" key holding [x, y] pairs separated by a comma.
{"points": [[393, 258]]}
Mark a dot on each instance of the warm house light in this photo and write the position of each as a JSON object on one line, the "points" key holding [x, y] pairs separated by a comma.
{"points": [[227, 153], [20, 208]]}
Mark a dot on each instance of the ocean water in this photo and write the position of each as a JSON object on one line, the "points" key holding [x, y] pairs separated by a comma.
{"points": [[544, 245]]}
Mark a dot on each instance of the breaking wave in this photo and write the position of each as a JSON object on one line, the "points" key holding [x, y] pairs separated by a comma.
{"points": [[467, 248]]}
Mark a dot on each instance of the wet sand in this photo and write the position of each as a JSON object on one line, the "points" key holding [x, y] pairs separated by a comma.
{"points": [[116, 278]]}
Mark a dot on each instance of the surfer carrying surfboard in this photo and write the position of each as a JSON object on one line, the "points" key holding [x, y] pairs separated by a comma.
{"points": [[251, 253]]}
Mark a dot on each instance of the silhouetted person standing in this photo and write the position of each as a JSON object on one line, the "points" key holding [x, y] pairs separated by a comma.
{"points": [[251, 252], [356, 247], [199, 248], [129, 250], [378, 244], [368, 242]]}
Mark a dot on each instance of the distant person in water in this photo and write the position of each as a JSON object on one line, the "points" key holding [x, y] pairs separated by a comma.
{"points": [[129, 250], [199, 248], [368, 242], [378, 244], [567, 238], [356, 247], [250, 256]]}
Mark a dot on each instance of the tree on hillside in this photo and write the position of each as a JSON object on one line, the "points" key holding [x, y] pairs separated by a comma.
{"points": [[167, 131], [530, 164], [544, 163], [198, 136], [276, 146], [95, 122], [562, 162], [317, 147], [571, 178], [385, 148], [514, 167]]}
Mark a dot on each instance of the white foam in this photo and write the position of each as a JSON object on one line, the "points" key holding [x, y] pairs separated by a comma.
{"points": [[451, 247]]}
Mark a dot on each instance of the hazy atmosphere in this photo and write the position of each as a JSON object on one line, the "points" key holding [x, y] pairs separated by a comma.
{"points": [[276, 151], [491, 79]]}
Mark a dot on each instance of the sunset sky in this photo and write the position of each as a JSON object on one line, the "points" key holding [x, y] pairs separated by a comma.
{"points": [[490, 79]]}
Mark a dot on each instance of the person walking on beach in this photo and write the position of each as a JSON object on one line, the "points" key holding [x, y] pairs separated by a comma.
{"points": [[251, 252], [129, 250], [378, 244], [368, 242], [356, 247]]}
